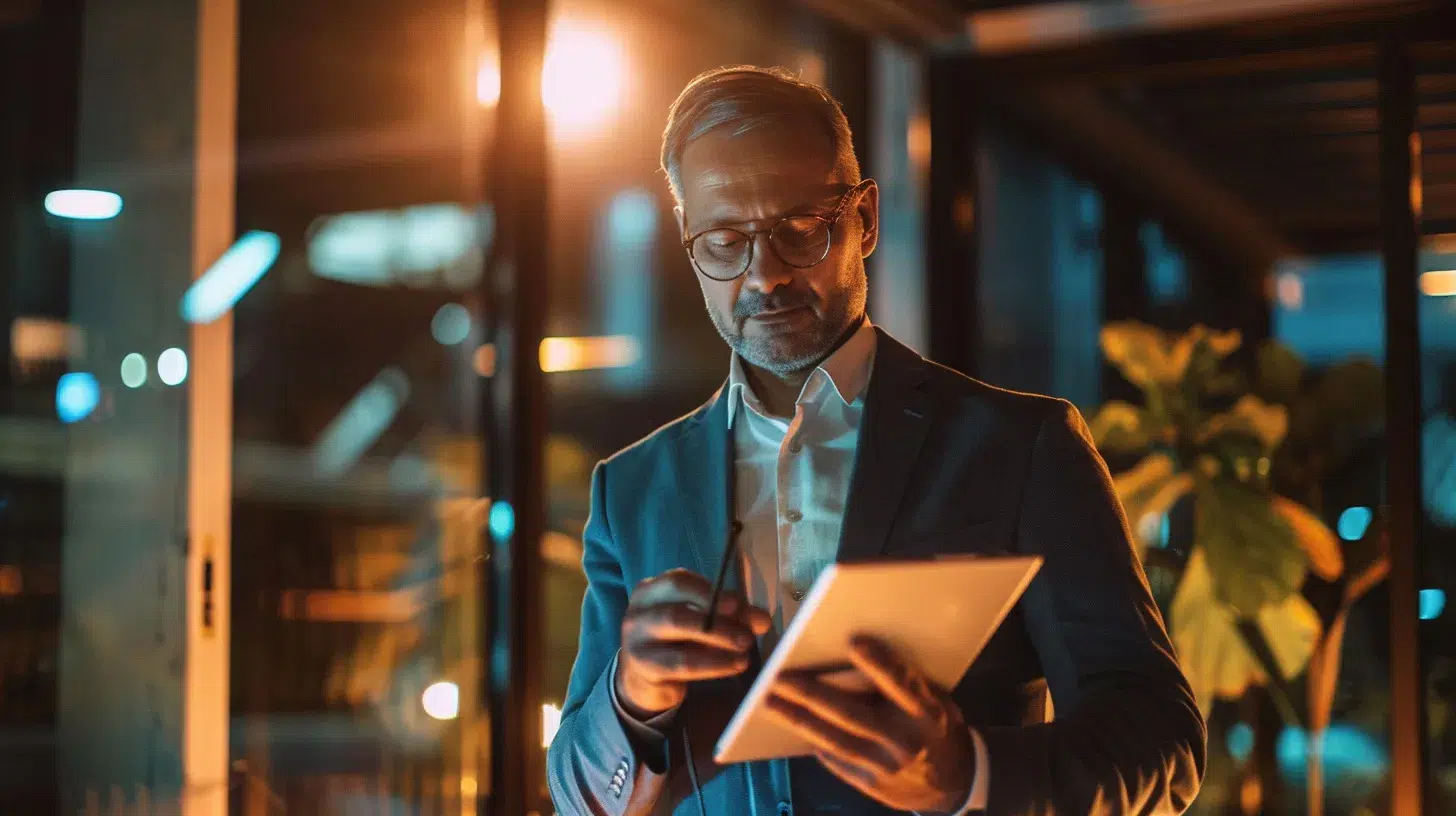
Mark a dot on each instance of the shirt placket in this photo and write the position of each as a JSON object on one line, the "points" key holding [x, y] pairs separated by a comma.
{"points": [[792, 492]]}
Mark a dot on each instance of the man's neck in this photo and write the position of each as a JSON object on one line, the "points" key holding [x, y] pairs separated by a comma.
{"points": [[777, 393]]}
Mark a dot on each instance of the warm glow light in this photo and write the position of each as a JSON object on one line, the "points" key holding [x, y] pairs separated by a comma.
{"points": [[442, 700], [83, 205], [1442, 243], [12, 581], [44, 339], [581, 82], [485, 360], [550, 723], [487, 80], [1440, 283], [581, 353], [917, 142], [1289, 288]]}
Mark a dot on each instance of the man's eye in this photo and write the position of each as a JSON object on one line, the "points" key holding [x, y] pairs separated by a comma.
{"points": [[723, 240]]}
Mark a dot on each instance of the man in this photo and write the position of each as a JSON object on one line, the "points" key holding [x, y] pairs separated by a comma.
{"points": [[831, 441]]}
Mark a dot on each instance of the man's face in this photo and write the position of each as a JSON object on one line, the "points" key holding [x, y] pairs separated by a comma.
{"points": [[776, 316]]}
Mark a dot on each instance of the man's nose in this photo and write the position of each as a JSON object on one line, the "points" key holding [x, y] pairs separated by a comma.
{"points": [[765, 271]]}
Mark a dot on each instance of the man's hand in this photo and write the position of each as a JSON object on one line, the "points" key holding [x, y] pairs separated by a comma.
{"points": [[904, 743], [664, 646]]}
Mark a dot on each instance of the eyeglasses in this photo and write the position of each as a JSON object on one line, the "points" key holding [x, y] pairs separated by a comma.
{"points": [[801, 241]]}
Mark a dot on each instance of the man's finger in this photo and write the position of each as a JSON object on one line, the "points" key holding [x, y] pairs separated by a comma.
{"points": [[853, 713], [901, 684], [759, 620], [682, 663], [679, 586], [827, 738], [860, 779], [673, 586], [683, 623]]}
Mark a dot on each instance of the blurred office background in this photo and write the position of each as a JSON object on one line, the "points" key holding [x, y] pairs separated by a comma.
{"points": [[258, 371]]}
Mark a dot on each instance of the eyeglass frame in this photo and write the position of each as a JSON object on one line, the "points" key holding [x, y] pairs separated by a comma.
{"points": [[830, 221]]}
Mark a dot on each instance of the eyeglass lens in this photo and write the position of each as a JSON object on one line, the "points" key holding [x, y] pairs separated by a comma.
{"points": [[799, 241]]}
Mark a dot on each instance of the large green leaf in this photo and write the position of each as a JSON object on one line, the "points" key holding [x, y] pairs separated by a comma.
{"points": [[1214, 654], [1252, 554], [1280, 372], [1249, 417], [1148, 491], [1120, 427]]}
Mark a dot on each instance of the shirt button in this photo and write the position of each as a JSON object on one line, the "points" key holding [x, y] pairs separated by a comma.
{"points": [[797, 594], [794, 516]]}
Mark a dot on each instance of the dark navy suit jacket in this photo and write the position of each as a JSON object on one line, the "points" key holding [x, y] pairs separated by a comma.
{"points": [[945, 464]]}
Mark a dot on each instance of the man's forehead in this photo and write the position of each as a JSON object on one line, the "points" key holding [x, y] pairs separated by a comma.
{"points": [[750, 177], [721, 157]]}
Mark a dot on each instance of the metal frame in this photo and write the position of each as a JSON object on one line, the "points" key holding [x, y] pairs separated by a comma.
{"points": [[207, 672], [515, 419], [1400, 228], [953, 273]]}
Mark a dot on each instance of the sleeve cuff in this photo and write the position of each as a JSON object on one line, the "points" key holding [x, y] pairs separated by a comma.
{"points": [[981, 785], [647, 736]]}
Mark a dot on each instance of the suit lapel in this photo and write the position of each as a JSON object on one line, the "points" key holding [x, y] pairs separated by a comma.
{"points": [[896, 418], [702, 469]]}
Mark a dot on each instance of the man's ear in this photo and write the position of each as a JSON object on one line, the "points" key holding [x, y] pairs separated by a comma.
{"points": [[682, 221], [869, 219]]}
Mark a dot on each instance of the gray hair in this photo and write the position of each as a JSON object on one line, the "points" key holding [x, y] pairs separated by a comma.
{"points": [[745, 98]]}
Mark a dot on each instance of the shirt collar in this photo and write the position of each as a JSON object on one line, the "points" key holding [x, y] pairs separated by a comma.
{"points": [[847, 371]]}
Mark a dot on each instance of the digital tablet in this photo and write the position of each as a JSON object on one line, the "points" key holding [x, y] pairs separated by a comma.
{"points": [[938, 613]]}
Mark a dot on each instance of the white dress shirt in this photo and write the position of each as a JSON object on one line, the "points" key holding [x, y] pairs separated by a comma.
{"points": [[791, 482], [792, 479]]}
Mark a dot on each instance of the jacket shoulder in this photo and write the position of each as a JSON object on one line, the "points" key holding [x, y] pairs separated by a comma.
{"points": [[647, 452], [1001, 405]]}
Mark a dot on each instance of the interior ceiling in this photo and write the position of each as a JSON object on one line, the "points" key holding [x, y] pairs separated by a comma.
{"points": [[15, 12], [1277, 120], [969, 6], [1301, 148]]}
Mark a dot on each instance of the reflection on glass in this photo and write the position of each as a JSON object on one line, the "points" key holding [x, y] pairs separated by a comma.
{"points": [[442, 700], [172, 366], [83, 205], [134, 370], [580, 353], [77, 395], [358, 426], [230, 277], [451, 324]]}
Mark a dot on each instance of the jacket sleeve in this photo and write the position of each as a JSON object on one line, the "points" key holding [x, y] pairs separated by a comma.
{"points": [[592, 765], [1127, 737]]}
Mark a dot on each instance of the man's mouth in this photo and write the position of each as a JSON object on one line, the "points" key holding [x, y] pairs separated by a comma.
{"points": [[779, 315]]}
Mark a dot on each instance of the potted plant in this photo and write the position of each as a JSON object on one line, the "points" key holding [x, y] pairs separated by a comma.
{"points": [[1251, 454]]}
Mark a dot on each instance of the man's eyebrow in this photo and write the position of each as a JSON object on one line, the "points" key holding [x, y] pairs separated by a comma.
{"points": [[823, 205]]}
